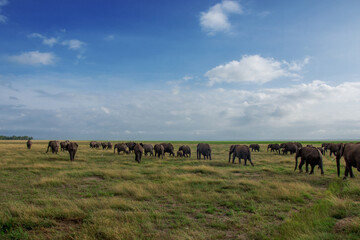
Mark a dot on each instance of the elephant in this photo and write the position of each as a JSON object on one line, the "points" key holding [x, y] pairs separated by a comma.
{"points": [[138, 150], [168, 148], [255, 147], [241, 152], [148, 148], [72, 148], [186, 150], [289, 147], [334, 148], [179, 154], [298, 145], [63, 145], [121, 147], [159, 150], [274, 147], [131, 146], [203, 149], [309, 155], [29, 144], [94, 144], [351, 154], [325, 147], [104, 145], [54, 145], [109, 145]]}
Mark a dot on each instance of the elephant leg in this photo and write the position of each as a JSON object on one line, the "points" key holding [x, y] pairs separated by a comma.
{"points": [[307, 167], [300, 165], [233, 160], [351, 172], [251, 162], [245, 161], [312, 169], [346, 172]]}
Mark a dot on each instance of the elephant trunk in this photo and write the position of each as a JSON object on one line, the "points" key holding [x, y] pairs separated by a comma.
{"points": [[296, 158]]}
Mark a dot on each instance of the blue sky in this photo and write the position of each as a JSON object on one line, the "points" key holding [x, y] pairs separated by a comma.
{"points": [[180, 70]]}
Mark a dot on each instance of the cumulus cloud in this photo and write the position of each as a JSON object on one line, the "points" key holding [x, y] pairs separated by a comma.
{"points": [[73, 44], [216, 19], [47, 41], [3, 18], [253, 69], [314, 110], [34, 58]]}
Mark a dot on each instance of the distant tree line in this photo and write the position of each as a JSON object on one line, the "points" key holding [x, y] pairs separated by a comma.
{"points": [[15, 137]]}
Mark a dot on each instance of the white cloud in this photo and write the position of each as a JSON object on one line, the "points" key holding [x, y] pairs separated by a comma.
{"points": [[252, 68], [297, 66], [34, 58], [216, 18], [47, 41], [105, 110], [50, 41], [314, 110], [73, 44], [3, 18]]}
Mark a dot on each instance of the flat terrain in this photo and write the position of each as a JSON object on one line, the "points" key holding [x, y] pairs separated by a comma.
{"points": [[102, 195]]}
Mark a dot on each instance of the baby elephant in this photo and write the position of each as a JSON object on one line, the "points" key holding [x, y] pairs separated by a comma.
{"points": [[72, 148], [179, 154]]}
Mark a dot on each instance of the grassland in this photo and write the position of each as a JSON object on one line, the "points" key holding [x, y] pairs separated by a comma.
{"points": [[102, 195]]}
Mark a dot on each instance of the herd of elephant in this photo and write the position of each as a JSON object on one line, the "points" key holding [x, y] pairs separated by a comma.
{"points": [[309, 155]]}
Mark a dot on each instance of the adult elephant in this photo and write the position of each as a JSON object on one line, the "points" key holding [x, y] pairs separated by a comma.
{"points": [[138, 150], [109, 145], [121, 147], [255, 147], [159, 150], [131, 146], [94, 144], [203, 149], [63, 145], [54, 146], [72, 148], [241, 152], [298, 145], [231, 150], [274, 147], [148, 148], [351, 154], [310, 156], [288, 147], [104, 145], [168, 148], [29, 144], [334, 148], [186, 150]]}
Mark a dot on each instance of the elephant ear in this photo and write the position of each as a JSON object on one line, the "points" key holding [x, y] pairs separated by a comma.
{"points": [[76, 145]]}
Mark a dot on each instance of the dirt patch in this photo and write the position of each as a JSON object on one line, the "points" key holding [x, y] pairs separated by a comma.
{"points": [[344, 224], [94, 178]]}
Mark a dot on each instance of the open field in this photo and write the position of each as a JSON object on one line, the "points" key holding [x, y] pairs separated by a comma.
{"points": [[102, 195]]}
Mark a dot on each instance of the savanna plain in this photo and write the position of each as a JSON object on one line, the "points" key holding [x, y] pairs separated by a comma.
{"points": [[102, 195]]}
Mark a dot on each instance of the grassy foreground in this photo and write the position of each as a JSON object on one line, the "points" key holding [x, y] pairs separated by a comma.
{"points": [[102, 195]]}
